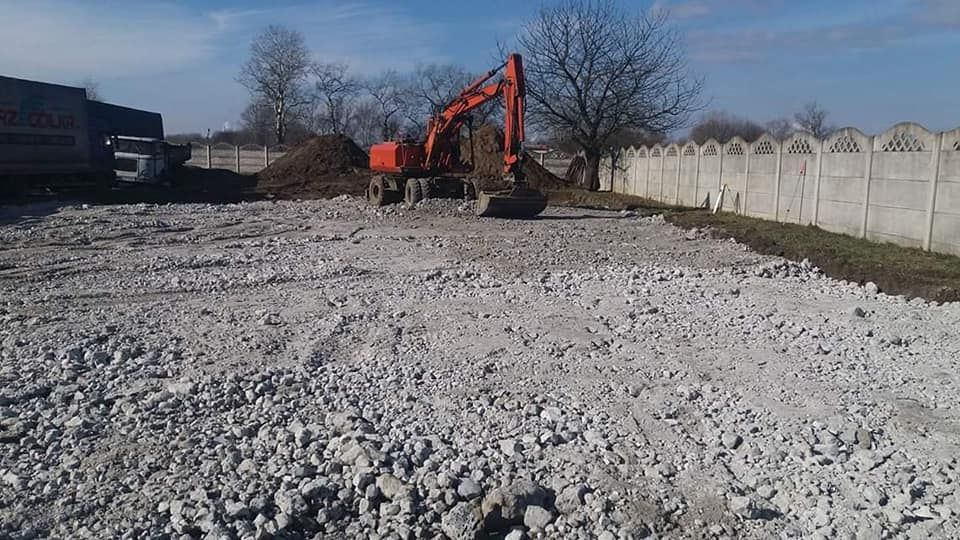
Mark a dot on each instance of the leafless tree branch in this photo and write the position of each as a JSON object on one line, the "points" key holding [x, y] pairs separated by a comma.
{"points": [[594, 70]]}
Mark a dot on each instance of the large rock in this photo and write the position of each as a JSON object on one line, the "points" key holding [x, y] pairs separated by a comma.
{"points": [[537, 517], [571, 498], [462, 522], [506, 505]]}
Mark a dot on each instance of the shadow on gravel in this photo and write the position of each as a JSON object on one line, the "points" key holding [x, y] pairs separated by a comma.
{"points": [[23, 213], [190, 185], [583, 217]]}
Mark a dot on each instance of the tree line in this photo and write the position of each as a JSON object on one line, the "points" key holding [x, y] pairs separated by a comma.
{"points": [[723, 126], [293, 96], [599, 76]]}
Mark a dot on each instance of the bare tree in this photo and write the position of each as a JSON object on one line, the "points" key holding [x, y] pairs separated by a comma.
{"points": [[431, 87], [723, 126], [780, 128], [388, 92], [335, 90], [92, 88], [813, 118], [276, 73], [366, 124], [257, 119], [620, 139], [594, 68]]}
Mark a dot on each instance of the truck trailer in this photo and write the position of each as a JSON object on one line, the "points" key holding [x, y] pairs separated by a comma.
{"points": [[49, 138]]}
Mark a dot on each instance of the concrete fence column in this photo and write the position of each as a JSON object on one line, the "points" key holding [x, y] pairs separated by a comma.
{"points": [[932, 199], [266, 156], [696, 179], [816, 188], [209, 157], [646, 182], [776, 195], [237, 152], [676, 194], [663, 158], [720, 172], [746, 180], [867, 175]]}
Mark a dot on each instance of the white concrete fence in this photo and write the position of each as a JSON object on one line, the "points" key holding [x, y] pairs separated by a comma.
{"points": [[902, 186], [247, 159]]}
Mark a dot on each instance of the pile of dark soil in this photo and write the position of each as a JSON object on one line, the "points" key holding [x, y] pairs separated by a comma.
{"points": [[321, 167], [488, 162]]}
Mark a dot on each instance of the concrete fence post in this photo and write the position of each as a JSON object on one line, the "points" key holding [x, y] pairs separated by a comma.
{"points": [[867, 175], [746, 181], [776, 196], [720, 173], [663, 158], [932, 199], [266, 156], [209, 157], [646, 182], [696, 179], [816, 188], [636, 172], [676, 194], [237, 152]]}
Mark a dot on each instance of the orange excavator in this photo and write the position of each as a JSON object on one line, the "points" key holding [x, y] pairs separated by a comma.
{"points": [[411, 171]]}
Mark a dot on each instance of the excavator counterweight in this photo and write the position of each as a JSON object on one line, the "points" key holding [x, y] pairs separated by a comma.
{"points": [[415, 170]]}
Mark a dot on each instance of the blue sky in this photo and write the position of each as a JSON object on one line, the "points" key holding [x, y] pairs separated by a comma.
{"points": [[871, 63]]}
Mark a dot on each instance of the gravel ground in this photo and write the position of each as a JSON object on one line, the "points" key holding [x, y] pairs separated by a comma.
{"points": [[325, 369]]}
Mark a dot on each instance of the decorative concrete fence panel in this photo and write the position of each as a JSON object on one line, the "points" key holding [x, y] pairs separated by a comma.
{"points": [[902, 186], [624, 170], [641, 173], [945, 227], [247, 159], [842, 187], [606, 174], [654, 186], [630, 172], [733, 174], [708, 179], [671, 174], [689, 165], [899, 187], [798, 164], [223, 156], [761, 189]]}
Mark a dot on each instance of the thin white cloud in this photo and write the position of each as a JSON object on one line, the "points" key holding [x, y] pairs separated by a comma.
{"points": [[368, 37], [923, 19], [63, 41], [682, 10]]}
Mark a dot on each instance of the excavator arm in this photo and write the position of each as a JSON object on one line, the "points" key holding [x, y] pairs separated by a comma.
{"points": [[444, 129]]}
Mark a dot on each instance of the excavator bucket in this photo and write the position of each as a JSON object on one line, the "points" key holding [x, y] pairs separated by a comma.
{"points": [[521, 202]]}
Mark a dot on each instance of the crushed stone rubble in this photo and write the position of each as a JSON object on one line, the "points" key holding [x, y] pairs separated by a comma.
{"points": [[323, 369]]}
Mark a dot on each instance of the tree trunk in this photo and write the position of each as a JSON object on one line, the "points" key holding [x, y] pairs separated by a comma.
{"points": [[591, 172], [280, 122]]}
